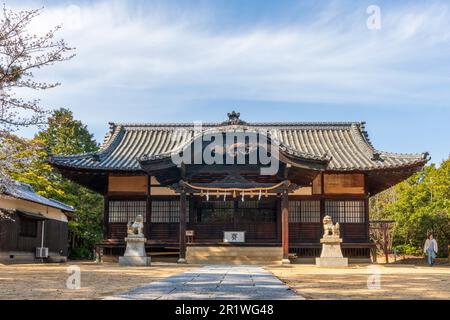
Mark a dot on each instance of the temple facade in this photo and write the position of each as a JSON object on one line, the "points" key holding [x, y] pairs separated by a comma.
{"points": [[238, 191]]}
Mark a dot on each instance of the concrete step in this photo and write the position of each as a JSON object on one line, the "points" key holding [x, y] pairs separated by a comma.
{"points": [[266, 256], [240, 260], [234, 255]]}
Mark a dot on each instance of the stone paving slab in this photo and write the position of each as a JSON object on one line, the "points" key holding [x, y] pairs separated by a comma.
{"points": [[215, 283]]}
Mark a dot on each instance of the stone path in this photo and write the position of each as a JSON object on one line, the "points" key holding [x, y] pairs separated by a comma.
{"points": [[215, 283]]}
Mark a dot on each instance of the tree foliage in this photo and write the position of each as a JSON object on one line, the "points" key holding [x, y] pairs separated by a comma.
{"points": [[419, 206], [65, 136]]}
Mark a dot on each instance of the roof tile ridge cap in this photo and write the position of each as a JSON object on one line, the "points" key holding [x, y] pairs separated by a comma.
{"points": [[114, 132], [214, 124], [164, 124], [108, 147], [415, 162], [53, 157], [421, 155], [13, 189], [103, 149], [60, 203], [306, 124], [361, 138], [23, 185]]}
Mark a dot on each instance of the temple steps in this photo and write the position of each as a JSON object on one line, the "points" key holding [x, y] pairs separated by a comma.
{"points": [[233, 255]]}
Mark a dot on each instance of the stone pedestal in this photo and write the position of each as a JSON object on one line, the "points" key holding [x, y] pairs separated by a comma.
{"points": [[331, 255], [135, 253]]}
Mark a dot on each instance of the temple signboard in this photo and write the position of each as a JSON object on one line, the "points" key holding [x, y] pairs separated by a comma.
{"points": [[234, 236]]}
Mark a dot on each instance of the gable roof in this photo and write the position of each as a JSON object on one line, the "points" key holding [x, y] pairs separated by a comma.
{"points": [[25, 192], [345, 144]]}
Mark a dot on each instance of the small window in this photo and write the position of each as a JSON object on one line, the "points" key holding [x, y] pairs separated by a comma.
{"points": [[28, 227], [346, 211], [307, 211], [124, 211], [166, 211]]}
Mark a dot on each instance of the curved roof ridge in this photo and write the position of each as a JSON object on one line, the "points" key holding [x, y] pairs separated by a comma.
{"points": [[219, 124], [362, 139], [72, 156], [111, 140], [423, 155]]}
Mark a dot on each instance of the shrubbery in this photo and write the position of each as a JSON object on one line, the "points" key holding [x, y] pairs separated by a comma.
{"points": [[64, 136], [419, 205]]}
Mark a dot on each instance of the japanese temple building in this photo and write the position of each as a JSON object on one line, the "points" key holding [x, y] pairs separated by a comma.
{"points": [[230, 211]]}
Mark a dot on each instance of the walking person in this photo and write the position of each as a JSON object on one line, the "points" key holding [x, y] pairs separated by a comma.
{"points": [[430, 249]]}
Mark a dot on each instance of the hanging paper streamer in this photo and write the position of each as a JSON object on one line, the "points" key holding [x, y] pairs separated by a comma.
{"points": [[207, 195], [242, 196], [260, 194], [224, 197]]}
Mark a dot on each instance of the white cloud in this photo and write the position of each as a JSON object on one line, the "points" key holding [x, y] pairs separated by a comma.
{"points": [[159, 52]]}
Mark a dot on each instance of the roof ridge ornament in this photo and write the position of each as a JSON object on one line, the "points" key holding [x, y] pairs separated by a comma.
{"points": [[233, 119]]}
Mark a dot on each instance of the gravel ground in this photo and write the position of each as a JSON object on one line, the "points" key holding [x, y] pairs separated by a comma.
{"points": [[401, 281], [48, 281], [396, 281]]}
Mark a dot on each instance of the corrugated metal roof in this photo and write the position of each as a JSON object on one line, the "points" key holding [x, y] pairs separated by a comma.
{"points": [[25, 192], [345, 144]]}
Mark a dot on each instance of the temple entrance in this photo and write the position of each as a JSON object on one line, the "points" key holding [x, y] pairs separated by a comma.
{"points": [[257, 218], [236, 211]]}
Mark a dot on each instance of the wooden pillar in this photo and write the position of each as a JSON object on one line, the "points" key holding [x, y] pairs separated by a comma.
{"points": [[148, 210], [285, 225], [105, 217], [366, 217], [182, 258], [367, 206], [385, 227], [279, 233]]}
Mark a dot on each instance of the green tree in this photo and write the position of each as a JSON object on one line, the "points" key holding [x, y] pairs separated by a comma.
{"points": [[65, 135], [421, 205]]}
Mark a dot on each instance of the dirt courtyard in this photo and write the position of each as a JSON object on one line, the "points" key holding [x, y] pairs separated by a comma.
{"points": [[395, 281], [48, 281]]}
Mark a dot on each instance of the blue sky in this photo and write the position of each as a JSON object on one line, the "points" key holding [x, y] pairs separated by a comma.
{"points": [[152, 61]]}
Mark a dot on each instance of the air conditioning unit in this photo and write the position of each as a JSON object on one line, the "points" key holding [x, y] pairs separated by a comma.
{"points": [[41, 252]]}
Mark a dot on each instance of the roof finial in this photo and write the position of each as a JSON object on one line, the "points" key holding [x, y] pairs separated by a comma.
{"points": [[233, 118]]}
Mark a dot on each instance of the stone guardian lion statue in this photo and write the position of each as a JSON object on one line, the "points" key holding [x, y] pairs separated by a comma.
{"points": [[330, 229], [136, 228]]}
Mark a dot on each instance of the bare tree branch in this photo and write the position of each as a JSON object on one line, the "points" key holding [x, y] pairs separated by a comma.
{"points": [[22, 52]]}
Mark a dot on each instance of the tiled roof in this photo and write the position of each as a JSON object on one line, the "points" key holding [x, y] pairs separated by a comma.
{"points": [[25, 192], [345, 144]]}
